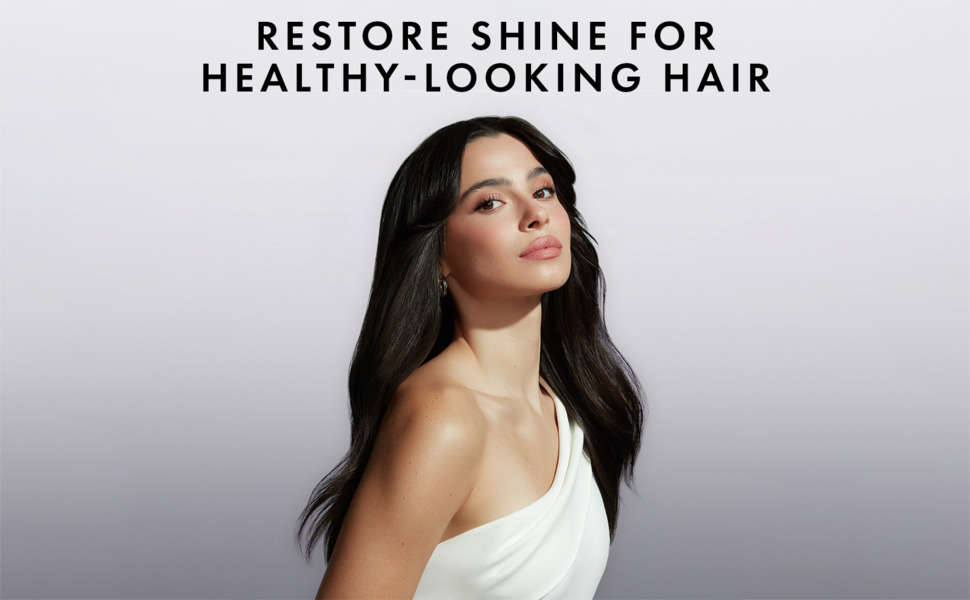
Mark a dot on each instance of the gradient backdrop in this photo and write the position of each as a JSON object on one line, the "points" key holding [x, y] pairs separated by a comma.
{"points": [[184, 276]]}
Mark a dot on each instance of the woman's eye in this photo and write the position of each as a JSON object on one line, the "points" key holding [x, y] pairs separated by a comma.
{"points": [[488, 205], [546, 192]]}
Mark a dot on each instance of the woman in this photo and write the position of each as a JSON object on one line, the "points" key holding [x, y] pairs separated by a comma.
{"points": [[492, 418]]}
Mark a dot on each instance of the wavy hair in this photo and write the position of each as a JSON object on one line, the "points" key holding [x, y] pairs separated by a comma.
{"points": [[407, 324]]}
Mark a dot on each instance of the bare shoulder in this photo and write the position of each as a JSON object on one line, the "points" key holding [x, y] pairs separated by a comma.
{"points": [[435, 418], [425, 462]]}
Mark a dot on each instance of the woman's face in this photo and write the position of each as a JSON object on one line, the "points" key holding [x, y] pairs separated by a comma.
{"points": [[508, 235]]}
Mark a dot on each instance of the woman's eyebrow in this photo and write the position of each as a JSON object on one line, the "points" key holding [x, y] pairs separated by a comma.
{"points": [[540, 170], [484, 183], [500, 181]]}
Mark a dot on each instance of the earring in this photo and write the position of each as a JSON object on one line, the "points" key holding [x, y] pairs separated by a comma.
{"points": [[442, 287]]}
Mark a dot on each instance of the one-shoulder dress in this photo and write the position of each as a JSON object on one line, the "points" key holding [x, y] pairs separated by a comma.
{"points": [[556, 547]]}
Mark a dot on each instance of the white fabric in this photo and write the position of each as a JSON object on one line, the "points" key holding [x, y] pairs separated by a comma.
{"points": [[555, 547]]}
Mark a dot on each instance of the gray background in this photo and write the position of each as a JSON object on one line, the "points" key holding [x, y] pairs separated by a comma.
{"points": [[184, 277]]}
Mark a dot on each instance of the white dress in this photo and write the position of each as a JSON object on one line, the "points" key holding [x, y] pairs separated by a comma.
{"points": [[556, 547]]}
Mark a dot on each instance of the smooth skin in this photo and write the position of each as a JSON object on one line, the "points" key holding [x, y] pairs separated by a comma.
{"points": [[471, 436]]}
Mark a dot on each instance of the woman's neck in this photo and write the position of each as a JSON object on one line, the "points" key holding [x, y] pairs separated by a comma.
{"points": [[503, 339]]}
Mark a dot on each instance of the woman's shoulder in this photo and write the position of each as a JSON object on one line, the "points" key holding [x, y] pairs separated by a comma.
{"points": [[423, 467], [433, 402], [434, 419]]}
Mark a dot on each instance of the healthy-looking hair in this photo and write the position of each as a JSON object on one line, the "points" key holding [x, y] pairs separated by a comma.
{"points": [[407, 324]]}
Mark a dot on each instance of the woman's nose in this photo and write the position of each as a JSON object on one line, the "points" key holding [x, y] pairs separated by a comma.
{"points": [[535, 215]]}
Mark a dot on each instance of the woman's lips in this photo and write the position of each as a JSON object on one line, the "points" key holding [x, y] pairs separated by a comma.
{"points": [[543, 248]]}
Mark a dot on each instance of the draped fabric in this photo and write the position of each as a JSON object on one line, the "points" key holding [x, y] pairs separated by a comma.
{"points": [[556, 547]]}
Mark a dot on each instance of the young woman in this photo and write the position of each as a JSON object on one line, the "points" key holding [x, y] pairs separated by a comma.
{"points": [[492, 418]]}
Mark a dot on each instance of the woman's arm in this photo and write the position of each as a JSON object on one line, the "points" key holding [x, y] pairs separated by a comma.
{"points": [[424, 465]]}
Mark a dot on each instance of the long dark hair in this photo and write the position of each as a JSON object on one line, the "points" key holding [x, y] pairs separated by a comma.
{"points": [[407, 324]]}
